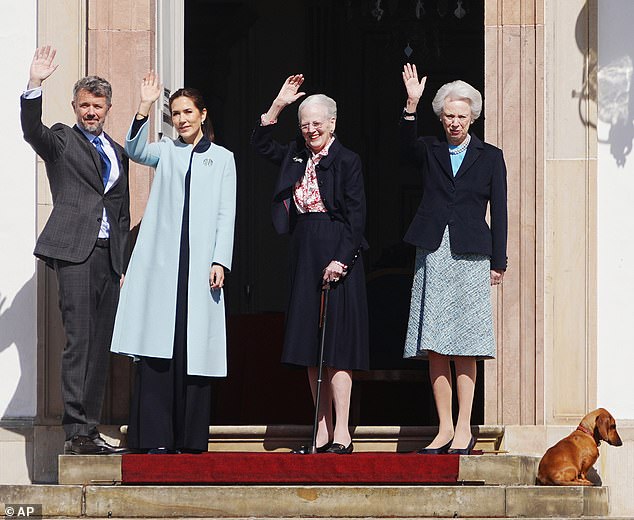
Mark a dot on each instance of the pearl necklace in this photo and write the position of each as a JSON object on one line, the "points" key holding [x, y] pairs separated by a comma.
{"points": [[461, 148]]}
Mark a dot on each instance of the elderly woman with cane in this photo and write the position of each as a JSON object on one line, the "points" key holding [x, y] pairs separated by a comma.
{"points": [[319, 200], [458, 256]]}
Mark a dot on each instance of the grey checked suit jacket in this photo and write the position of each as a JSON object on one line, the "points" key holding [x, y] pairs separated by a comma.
{"points": [[73, 168]]}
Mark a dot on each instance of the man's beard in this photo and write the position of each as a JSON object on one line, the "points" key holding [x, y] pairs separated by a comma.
{"points": [[95, 128]]}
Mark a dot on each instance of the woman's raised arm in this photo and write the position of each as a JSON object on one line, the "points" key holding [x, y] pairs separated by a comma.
{"points": [[287, 95]]}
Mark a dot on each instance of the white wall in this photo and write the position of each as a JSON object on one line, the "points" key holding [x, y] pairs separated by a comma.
{"points": [[18, 325], [615, 208]]}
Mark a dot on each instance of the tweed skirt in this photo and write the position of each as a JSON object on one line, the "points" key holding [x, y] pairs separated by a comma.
{"points": [[450, 310]]}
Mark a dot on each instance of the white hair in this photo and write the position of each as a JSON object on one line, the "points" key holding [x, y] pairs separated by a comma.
{"points": [[458, 90], [319, 99]]}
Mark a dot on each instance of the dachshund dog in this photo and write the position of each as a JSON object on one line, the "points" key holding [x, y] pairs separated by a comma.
{"points": [[567, 462]]}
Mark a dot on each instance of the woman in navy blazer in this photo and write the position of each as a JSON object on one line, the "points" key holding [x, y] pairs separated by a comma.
{"points": [[458, 255], [319, 200]]}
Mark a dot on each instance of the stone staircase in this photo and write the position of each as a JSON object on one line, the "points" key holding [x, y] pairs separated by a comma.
{"points": [[492, 485], [489, 486]]}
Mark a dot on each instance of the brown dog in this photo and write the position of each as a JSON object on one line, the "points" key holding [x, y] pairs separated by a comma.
{"points": [[567, 462]]}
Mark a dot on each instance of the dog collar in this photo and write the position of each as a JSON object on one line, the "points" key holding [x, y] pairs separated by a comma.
{"points": [[585, 430]]}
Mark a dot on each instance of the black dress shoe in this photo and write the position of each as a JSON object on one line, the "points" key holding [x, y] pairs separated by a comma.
{"points": [[117, 450], [162, 451], [340, 449], [435, 451], [85, 445], [463, 451], [307, 450]]}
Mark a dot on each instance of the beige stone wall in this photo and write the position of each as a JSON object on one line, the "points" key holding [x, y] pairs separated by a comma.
{"points": [[121, 47], [514, 54], [570, 168], [538, 72]]}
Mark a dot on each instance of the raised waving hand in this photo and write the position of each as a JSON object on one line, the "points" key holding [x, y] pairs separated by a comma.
{"points": [[150, 91], [42, 65], [289, 93], [414, 87]]}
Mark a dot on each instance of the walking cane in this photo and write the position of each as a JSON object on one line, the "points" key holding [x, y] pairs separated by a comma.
{"points": [[325, 290]]}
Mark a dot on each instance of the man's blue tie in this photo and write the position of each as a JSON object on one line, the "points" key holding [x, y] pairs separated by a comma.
{"points": [[105, 161]]}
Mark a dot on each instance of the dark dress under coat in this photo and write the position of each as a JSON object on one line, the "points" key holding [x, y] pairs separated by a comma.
{"points": [[316, 239], [170, 408]]}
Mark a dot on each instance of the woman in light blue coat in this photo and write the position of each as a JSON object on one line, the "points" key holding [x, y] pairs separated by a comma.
{"points": [[171, 314]]}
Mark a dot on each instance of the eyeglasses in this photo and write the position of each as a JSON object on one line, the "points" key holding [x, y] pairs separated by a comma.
{"points": [[315, 124]]}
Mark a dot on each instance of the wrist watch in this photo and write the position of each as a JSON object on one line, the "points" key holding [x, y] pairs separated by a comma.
{"points": [[408, 114]]}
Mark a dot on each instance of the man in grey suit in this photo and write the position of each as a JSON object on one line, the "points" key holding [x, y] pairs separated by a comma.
{"points": [[84, 240]]}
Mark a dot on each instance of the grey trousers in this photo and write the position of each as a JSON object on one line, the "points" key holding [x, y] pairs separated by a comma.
{"points": [[88, 298]]}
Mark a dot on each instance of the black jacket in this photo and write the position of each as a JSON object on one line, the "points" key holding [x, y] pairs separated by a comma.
{"points": [[340, 182], [460, 201]]}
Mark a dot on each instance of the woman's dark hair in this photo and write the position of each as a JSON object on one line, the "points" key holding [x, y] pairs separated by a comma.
{"points": [[199, 103]]}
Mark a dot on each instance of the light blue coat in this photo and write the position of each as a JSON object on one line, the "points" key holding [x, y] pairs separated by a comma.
{"points": [[145, 320]]}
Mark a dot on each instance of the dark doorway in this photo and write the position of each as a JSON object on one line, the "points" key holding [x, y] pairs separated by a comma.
{"points": [[238, 52]]}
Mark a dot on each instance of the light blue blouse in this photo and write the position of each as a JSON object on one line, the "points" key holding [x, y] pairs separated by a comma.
{"points": [[456, 160]]}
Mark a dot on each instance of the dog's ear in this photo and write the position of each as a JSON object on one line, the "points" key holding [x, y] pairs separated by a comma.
{"points": [[602, 425]]}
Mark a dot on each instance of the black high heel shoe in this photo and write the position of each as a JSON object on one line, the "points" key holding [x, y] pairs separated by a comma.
{"points": [[436, 451], [340, 449], [463, 451], [306, 450]]}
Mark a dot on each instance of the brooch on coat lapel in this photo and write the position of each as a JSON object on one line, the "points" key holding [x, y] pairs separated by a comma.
{"points": [[208, 162], [298, 159]]}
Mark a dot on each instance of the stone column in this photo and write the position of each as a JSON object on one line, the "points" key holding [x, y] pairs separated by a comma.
{"points": [[570, 223], [121, 48], [514, 33], [538, 73]]}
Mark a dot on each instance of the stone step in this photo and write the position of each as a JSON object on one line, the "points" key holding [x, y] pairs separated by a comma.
{"points": [[264, 438], [475, 469], [116, 501], [284, 437]]}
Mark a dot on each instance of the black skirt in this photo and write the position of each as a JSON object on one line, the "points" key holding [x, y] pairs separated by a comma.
{"points": [[313, 245]]}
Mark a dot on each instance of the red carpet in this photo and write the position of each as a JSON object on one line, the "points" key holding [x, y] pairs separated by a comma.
{"points": [[286, 468]]}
